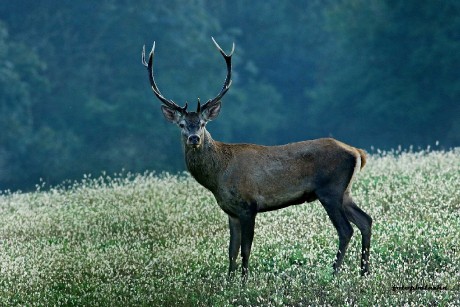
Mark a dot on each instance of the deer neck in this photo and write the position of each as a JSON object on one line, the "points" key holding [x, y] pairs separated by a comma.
{"points": [[204, 163]]}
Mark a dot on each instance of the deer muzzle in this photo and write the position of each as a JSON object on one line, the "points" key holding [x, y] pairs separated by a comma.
{"points": [[194, 140]]}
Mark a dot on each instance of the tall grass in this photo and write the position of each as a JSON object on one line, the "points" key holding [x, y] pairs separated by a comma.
{"points": [[161, 240]]}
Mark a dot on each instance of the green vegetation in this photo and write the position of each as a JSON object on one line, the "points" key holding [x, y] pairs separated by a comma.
{"points": [[160, 240], [75, 99]]}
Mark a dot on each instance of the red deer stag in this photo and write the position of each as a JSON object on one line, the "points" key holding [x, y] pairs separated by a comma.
{"points": [[247, 179]]}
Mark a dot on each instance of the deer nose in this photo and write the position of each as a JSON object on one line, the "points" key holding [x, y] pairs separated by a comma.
{"points": [[193, 139]]}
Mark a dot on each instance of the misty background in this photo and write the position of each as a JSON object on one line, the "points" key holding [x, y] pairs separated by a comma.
{"points": [[75, 99]]}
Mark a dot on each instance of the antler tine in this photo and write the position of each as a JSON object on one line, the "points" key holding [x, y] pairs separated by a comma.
{"points": [[228, 79], [156, 91], [222, 51]]}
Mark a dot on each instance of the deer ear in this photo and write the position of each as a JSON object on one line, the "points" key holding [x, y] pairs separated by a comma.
{"points": [[211, 112], [170, 114]]}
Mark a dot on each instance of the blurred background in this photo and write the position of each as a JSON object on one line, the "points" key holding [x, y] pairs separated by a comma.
{"points": [[75, 99]]}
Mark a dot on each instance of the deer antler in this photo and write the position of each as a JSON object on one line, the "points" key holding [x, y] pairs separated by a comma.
{"points": [[149, 65], [228, 79]]}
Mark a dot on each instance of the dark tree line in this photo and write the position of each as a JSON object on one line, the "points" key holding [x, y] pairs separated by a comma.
{"points": [[75, 99]]}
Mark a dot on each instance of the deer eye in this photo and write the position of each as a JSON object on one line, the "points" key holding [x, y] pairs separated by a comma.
{"points": [[182, 125], [202, 125]]}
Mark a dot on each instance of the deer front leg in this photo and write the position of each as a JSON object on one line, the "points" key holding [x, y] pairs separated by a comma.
{"points": [[247, 222], [235, 243]]}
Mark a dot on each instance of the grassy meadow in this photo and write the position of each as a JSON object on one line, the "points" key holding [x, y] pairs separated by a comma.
{"points": [[161, 240]]}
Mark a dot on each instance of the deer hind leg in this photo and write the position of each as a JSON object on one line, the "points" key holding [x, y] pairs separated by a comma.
{"points": [[335, 211], [364, 222]]}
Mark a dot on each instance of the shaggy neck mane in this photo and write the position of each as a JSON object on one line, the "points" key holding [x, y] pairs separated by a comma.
{"points": [[205, 163]]}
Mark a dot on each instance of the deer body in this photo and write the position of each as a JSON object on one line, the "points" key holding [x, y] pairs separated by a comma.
{"points": [[247, 179], [274, 177]]}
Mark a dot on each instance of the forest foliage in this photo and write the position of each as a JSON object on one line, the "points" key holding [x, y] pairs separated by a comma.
{"points": [[75, 99]]}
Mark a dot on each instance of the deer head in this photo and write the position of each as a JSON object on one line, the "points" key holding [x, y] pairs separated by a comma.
{"points": [[192, 124]]}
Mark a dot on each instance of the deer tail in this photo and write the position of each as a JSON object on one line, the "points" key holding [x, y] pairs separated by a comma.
{"points": [[363, 156]]}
